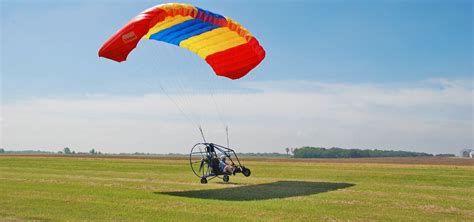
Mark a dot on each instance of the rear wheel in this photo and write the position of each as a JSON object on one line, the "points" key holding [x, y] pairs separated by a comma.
{"points": [[226, 178], [246, 171]]}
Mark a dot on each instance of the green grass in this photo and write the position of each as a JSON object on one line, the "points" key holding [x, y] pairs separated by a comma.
{"points": [[78, 189]]}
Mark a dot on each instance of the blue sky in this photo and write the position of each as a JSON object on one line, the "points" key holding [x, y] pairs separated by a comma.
{"points": [[49, 51]]}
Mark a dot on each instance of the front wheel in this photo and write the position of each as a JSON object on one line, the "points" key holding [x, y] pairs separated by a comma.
{"points": [[246, 171], [203, 180], [226, 178]]}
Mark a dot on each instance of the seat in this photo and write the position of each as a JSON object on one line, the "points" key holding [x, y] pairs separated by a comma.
{"points": [[215, 166]]}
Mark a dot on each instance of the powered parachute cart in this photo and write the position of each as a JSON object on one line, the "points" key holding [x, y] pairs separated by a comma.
{"points": [[205, 159]]}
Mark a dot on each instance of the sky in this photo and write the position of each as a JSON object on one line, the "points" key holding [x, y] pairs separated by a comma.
{"points": [[353, 74]]}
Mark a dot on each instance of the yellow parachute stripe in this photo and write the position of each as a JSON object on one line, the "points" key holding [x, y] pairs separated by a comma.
{"points": [[172, 8], [197, 40], [213, 41], [221, 47], [168, 22]]}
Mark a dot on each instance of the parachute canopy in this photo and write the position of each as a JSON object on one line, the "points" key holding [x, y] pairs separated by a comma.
{"points": [[227, 47]]}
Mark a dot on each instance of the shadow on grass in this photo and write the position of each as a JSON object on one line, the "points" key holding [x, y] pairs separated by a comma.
{"points": [[279, 189]]}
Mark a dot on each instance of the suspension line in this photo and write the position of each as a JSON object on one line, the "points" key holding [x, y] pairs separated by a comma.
{"points": [[202, 134], [227, 133]]}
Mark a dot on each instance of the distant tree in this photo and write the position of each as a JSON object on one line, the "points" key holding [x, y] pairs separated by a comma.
{"points": [[287, 151], [2, 150], [92, 151], [60, 152], [66, 150], [446, 155], [73, 152]]}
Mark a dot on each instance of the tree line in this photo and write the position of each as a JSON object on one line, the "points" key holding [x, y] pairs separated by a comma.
{"points": [[335, 152], [68, 151]]}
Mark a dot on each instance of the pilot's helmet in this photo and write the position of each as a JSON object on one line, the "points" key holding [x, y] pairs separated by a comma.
{"points": [[223, 157]]}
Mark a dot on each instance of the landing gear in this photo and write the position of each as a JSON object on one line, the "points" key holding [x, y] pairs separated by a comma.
{"points": [[203, 180]]}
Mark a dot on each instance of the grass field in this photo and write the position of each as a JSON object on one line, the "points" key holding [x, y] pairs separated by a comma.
{"points": [[158, 189]]}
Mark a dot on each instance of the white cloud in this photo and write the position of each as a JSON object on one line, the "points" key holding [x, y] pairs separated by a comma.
{"points": [[432, 116]]}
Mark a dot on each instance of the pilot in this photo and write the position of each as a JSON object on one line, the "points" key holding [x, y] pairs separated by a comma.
{"points": [[225, 167]]}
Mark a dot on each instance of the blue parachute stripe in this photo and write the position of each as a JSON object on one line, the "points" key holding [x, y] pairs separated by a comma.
{"points": [[192, 31], [183, 31], [209, 13], [172, 35], [161, 35]]}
